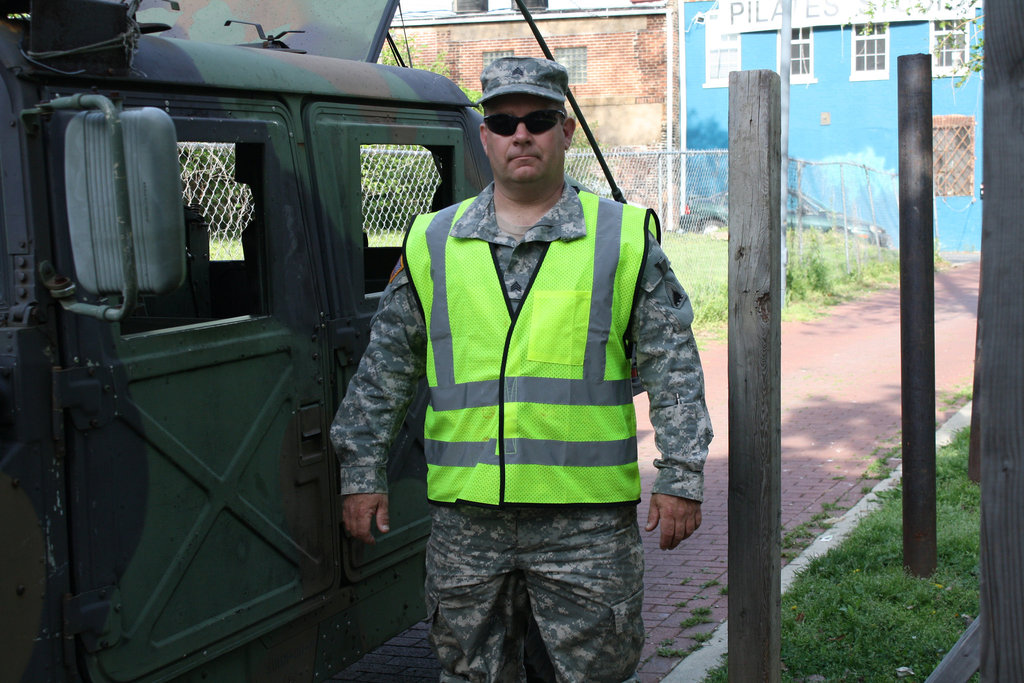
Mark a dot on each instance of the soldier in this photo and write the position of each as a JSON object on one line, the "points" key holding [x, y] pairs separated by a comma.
{"points": [[519, 306]]}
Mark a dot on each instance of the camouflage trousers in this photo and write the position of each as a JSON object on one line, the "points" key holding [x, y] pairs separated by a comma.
{"points": [[579, 571]]}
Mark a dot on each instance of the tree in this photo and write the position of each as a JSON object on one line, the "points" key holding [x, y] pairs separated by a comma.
{"points": [[971, 13], [410, 54]]}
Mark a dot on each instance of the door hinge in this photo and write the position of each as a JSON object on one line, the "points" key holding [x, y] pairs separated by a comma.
{"points": [[95, 617], [87, 392]]}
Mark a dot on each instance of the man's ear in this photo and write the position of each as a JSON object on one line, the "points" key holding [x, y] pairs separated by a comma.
{"points": [[568, 128], [483, 138]]}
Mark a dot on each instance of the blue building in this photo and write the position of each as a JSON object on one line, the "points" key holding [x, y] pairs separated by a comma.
{"points": [[843, 95]]}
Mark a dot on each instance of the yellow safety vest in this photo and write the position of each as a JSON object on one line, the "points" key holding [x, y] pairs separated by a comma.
{"points": [[550, 382]]}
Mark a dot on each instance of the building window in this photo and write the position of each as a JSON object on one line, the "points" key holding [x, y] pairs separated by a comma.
{"points": [[489, 57], [949, 46], [953, 155], [801, 56], [722, 52], [467, 6], [870, 51], [574, 59]]}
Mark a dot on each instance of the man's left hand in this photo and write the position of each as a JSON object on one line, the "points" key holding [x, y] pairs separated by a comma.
{"points": [[679, 517]]}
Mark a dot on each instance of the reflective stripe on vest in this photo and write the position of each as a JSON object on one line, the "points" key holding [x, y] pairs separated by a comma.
{"points": [[551, 381]]}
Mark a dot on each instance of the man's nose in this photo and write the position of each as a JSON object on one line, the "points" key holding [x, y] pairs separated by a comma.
{"points": [[521, 132]]}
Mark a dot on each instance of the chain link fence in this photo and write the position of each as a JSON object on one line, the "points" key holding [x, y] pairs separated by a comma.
{"points": [[689, 190], [853, 207], [399, 182], [209, 187]]}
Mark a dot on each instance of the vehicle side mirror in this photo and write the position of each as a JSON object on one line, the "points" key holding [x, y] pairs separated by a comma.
{"points": [[141, 249]]}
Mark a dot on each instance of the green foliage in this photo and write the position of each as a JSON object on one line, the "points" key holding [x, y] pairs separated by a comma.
{"points": [[969, 9], [855, 614], [827, 267], [699, 615], [823, 270], [809, 274], [666, 649], [412, 56]]}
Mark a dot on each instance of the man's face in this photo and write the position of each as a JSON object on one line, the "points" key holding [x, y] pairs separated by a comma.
{"points": [[524, 159]]}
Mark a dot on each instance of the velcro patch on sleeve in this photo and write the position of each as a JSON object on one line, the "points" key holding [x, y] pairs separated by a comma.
{"points": [[399, 267]]}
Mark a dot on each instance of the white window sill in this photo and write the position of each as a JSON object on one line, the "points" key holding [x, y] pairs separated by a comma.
{"points": [[870, 76]]}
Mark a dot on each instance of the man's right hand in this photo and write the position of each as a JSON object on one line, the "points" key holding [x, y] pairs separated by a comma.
{"points": [[359, 510]]}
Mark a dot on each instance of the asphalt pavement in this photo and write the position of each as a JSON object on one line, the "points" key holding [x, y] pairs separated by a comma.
{"points": [[841, 410]]}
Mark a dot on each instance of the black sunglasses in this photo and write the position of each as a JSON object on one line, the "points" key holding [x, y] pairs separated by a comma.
{"points": [[536, 121]]}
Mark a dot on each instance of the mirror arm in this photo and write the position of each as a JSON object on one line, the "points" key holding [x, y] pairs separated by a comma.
{"points": [[130, 287]]}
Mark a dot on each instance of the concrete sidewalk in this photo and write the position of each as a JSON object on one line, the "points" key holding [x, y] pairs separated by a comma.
{"points": [[840, 412]]}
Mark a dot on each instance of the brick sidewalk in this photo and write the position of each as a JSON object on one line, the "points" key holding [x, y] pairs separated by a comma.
{"points": [[840, 411]]}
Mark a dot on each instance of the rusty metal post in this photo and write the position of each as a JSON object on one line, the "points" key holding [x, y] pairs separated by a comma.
{"points": [[917, 312]]}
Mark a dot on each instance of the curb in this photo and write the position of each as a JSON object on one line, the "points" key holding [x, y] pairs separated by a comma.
{"points": [[697, 665]]}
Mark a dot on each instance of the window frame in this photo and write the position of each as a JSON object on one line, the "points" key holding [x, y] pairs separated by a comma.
{"points": [[569, 58], [489, 56], [809, 42], [935, 34], [211, 284], [948, 184], [714, 47], [879, 32], [339, 131]]}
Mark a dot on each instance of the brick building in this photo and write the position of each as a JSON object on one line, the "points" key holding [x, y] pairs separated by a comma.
{"points": [[616, 56]]}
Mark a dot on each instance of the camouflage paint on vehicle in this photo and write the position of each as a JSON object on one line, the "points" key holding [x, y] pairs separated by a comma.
{"points": [[347, 29], [168, 499]]}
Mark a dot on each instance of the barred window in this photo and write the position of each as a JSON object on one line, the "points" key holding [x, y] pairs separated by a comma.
{"points": [[801, 53], [489, 57], [574, 59], [949, 46], [870, 51], [953, 155]]}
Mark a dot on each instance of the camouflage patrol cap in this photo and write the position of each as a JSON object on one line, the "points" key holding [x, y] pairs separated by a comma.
{"points": [[524, 76]]}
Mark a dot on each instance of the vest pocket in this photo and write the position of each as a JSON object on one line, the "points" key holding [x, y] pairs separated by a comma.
{"points": [[558, 327]]}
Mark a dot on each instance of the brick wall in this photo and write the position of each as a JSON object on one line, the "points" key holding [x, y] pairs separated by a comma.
{"points": [[626, 64]]}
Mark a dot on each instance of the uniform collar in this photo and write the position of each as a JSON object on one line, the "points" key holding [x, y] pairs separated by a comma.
{"points": [[563, 221]]}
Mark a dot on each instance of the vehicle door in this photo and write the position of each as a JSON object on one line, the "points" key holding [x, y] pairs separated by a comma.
{"points": [[201, 492], [405, 162]]}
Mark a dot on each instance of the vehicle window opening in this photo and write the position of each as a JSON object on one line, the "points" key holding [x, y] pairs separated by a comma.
{"points": [[399, 182], [222, 190]]}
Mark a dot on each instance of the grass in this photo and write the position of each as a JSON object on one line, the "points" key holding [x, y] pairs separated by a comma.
{"points": [[823, 270], [855, 614]]}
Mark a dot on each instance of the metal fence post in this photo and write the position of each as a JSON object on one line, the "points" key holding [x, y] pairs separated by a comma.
{"points": [[917, 312]]}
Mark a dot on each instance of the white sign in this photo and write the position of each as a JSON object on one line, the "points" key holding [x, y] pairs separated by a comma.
{"points": [[742, 16]]}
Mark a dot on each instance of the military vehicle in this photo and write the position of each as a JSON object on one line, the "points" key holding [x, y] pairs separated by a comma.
{"points": [[195, 242]]}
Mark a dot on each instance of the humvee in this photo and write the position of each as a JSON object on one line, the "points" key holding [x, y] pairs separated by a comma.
{"points": [[196, 236]]}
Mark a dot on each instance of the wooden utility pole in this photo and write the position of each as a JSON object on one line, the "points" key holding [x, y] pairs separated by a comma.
{"points": [[755, 500], [1002, 341]]}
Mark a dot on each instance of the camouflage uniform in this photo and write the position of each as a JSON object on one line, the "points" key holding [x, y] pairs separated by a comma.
{"points": [[599, 576]]}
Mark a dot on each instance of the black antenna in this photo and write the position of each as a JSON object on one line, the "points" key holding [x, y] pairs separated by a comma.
{"points": [[616, 192], [394, 50]]}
